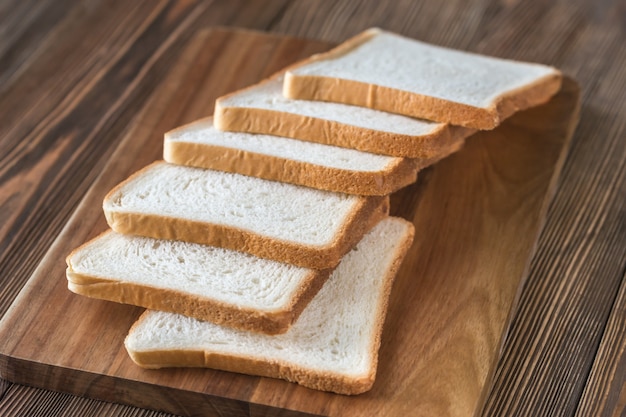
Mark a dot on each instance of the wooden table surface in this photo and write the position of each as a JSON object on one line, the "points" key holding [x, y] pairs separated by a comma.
{"points": [[73, 75]]}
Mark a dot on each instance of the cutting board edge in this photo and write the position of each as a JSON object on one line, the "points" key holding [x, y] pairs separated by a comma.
{"points": [[173, 400], [568, 83]]}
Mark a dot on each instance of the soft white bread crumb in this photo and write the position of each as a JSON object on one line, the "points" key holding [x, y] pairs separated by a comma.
{"points": [[389, 72], [333, 345], [205, 282]]}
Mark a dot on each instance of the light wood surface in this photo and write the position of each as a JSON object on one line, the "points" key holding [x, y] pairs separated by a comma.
{"points": [[477, 216], [75, 74]]}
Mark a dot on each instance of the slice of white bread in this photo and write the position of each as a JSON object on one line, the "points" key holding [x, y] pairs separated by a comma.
{"points": [[315, 165], [273, 220], [388, 72], [261, 108], [215, 284], [333, 346]]}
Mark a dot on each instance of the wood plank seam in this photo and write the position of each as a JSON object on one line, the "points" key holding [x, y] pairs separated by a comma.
{"points": [[610, 363], [4, 387]]}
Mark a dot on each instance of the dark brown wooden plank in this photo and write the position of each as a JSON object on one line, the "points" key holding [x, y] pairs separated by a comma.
{"points": [[24, 401], [605, 393], [476, 234], [4, 386], [19, 48], [76, 131], [18, 45]]}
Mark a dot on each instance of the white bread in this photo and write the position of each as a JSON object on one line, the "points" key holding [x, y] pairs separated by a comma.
{"points": [[333, 346], [325, 167], [261, 108], [269, 219], [215, 284], [388, 72]]}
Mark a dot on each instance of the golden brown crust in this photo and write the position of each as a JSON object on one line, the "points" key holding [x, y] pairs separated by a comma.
{"points": [[383, 305], [324, 381], [329, 132], [531, 95], [201, 308], [366, 215], [387, 99], [311, 87], [320, 380], [397, 174]]}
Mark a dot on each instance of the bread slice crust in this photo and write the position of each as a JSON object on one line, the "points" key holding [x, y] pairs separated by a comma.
{"points": [[399, 173], [232, 118], [311, 87], [322, 381], [366, 214], [269, 321]]}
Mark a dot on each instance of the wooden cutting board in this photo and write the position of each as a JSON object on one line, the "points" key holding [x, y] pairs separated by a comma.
{"points": [[477, 215]]}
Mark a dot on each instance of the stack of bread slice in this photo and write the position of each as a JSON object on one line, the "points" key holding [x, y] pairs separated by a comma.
{"points": [[262, 244]]}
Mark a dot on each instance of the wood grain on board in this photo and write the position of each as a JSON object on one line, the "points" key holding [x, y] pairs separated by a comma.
{"points": [[477, 216]]}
